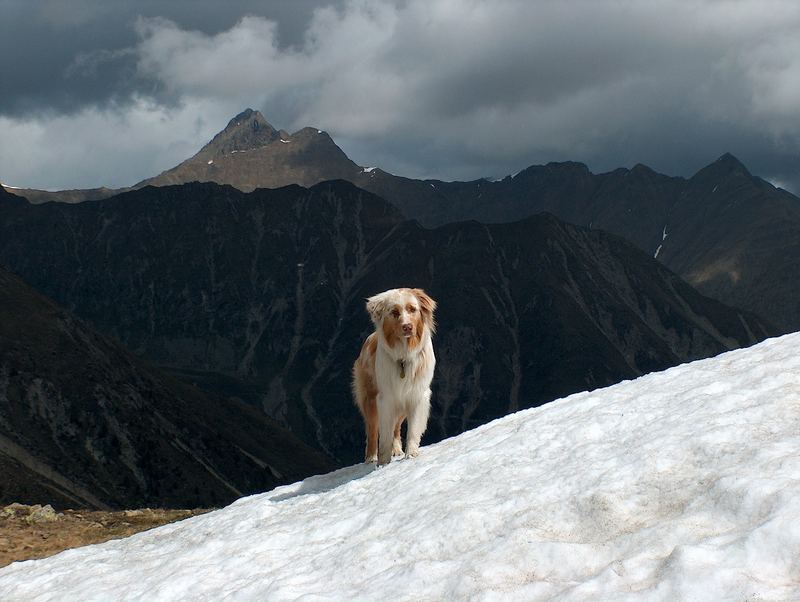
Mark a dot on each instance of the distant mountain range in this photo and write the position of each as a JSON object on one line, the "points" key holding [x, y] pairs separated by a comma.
{"points": [[259, 296], [732, 235], [84, 423]]}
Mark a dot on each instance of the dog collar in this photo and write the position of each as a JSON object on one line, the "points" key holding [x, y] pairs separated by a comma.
{"points": [[402, 368]]}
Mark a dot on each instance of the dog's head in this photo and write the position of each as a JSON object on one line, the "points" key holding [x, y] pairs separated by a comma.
{"points": [[403, 314]]}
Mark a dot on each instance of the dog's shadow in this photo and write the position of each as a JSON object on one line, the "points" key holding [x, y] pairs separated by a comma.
{"points": [[325, 482]]}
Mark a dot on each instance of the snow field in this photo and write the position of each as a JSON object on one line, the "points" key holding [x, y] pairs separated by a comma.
{"points": [[683, 484]]}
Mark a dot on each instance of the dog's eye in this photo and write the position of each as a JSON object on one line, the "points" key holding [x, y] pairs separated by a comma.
{"points": [[412, 310], [396, 313]]}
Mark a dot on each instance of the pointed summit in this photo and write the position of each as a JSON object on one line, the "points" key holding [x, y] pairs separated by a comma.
{"points": [[730, 163], [249, 119], [247, 131], [727, 164], [250, 153], [243, 116], [725, 167]]}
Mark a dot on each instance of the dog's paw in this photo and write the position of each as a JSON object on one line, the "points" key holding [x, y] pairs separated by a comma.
{"points": [[412, 453], [397, 452], [371, 459]]}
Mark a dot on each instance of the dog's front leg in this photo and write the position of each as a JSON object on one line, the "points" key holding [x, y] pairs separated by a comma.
{"points": [[387, 417], [417, 423], [397, 444]]}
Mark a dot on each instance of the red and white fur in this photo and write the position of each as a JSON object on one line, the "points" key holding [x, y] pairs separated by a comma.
{"points": [[392, 375]]}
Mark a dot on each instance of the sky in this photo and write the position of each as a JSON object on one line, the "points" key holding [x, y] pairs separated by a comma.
{"points": [[109, 92]]}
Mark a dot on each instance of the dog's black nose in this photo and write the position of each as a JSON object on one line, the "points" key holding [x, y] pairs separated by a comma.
{"points": [[407, 328]]}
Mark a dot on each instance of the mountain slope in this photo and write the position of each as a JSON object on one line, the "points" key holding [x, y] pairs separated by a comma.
{"points": [[260, 296], [683, 484], [732, 235], [84, 423], [249, 153], [66, 196], [736, 237]]}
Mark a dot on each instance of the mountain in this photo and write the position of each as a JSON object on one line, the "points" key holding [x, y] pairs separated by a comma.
{"points": [[733, 236], [260, 296], [85, 423], [66, 196], [249, 153], [680, 485]]}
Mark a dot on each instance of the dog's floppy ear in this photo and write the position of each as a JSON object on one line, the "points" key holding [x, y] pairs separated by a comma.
{"points": [[427, 307], [376, 307]]}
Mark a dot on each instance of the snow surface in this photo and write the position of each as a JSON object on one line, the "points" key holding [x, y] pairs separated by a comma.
{"points": [[680, 485], [368, 169], [663, 238]]}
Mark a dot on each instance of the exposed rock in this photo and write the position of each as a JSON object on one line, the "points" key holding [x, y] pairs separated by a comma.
{"points": [[85, 423], [42, 514]]}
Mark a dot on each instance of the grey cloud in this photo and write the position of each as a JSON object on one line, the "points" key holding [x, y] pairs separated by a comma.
{"points": [[56, 56], [430, 88]]}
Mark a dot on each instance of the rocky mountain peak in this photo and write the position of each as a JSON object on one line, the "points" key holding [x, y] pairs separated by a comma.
{"points": [[642, 170], [725, 167], [247, 131], [730, 161], [249, 118], [728, 164], [250, 153]]}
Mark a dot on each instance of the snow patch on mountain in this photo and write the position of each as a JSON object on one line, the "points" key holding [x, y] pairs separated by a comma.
{"points": [[683, 484]]}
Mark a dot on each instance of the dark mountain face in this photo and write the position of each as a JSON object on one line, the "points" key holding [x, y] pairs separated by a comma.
{"points": [[733, 236], [730, 234], [85, 423], [736, 237], [261, 296]]}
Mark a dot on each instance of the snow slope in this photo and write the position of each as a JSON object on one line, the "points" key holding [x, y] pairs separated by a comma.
{"points": [[683, 484]]}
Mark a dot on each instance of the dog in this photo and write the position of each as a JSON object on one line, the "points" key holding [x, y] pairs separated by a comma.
{"points": [[392, 374]]}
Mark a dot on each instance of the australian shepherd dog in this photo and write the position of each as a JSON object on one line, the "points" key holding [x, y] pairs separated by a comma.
{"points": [[392, 375]]}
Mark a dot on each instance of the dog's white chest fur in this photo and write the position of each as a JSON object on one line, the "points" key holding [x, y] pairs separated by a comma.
{"points": [[403, 378]]}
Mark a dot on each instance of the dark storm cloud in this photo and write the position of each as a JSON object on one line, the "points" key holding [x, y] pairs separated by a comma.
{"points": [[61, 55], [426, 88]]}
